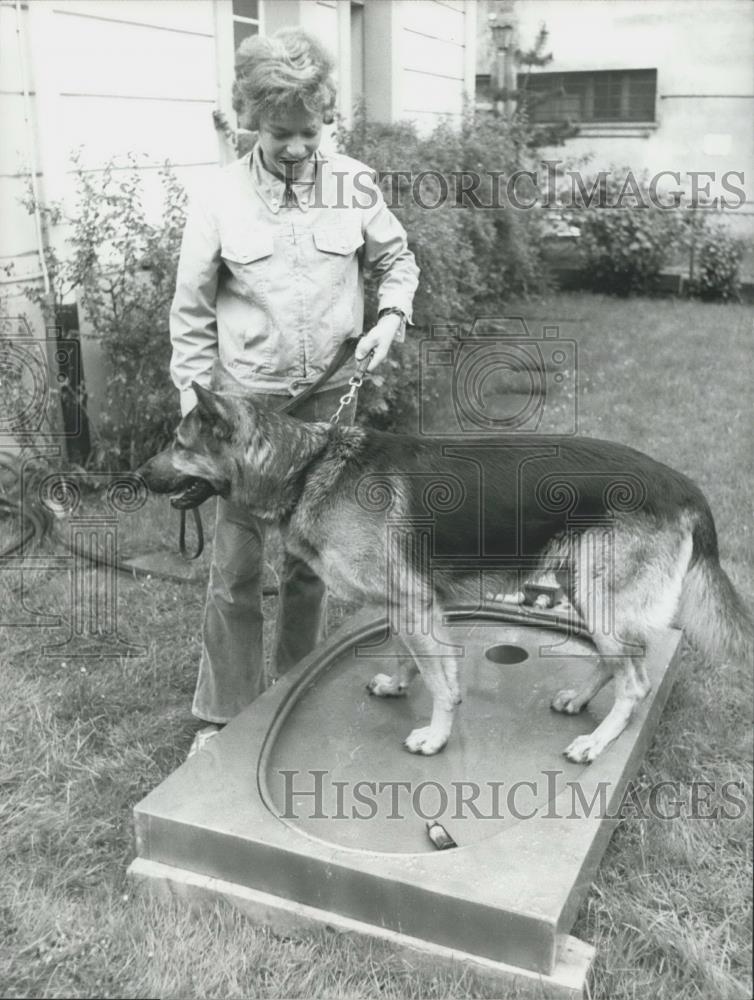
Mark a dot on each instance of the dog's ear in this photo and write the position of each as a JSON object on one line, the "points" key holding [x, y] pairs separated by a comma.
{"points": [[216, 408]]}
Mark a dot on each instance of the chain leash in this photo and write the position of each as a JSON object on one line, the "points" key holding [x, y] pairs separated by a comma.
{"points": [[355, 382]]}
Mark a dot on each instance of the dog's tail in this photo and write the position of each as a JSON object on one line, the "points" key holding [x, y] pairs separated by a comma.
{"points": [[713, 616]]}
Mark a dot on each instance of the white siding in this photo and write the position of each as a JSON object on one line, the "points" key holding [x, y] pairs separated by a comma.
{"points": [[108, 77], [435, 56], [175, 15], [132, 82], [321, 18], [436, 59], [15, 137], [154, 131], [435, 19], [431, 93], [10, 64], [17, 233], [116, 59]]}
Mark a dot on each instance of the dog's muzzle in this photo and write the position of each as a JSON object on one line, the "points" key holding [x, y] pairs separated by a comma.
{"points": [[185, 491], [191, 493]]}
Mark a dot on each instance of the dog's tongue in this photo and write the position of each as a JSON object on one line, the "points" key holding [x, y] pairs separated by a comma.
{"points": [[195, 493]]}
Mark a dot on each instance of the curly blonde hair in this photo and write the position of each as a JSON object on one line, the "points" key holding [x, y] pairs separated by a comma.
{"points": [[279, 72]]}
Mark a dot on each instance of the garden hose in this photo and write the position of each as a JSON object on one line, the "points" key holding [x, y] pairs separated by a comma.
{"points": [[38, 523], [34, 526]]}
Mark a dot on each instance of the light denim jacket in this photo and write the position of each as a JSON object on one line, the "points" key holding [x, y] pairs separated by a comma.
{"points": [[272, 289]]}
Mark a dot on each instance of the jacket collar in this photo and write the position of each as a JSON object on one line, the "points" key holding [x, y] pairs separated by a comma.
{"points": [[271, 189]]}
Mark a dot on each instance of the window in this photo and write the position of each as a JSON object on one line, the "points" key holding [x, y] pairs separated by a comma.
{"points": [[607, 96], [245, 20]]}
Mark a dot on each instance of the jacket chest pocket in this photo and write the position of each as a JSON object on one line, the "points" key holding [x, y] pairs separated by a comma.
{"points": [[339, 241], [335, 249], [248, 258]]}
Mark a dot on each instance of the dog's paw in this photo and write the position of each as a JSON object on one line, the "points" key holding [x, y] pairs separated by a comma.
{"points": [[385, 686], [425, 741], [564, 702], [584, 749]]}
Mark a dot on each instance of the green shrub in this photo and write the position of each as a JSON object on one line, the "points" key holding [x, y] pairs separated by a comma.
{"points": [[472, 258], [626, 240], [625, 250], [121, 267], [717, 262]]}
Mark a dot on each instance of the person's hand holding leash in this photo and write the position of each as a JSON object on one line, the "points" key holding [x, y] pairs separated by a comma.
{"points": [[380, 337]]}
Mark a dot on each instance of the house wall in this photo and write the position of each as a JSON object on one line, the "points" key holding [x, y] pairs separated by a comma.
{"points": [[18, 237], [419, 59], [112, 78], [435, 45], [704, 56], [108, 79]]}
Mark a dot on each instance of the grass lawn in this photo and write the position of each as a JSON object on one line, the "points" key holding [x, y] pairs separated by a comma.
{"points": [[84, 739]]}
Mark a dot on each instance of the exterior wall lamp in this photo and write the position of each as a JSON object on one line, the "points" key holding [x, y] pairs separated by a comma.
{"points": [[501, 30]]}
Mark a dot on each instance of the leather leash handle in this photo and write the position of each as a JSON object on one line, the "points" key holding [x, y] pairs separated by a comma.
{"points": [[343, 354], [199, 535]]}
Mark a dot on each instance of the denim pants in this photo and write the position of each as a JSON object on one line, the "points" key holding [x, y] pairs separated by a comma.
{"points": [[231, 670]]}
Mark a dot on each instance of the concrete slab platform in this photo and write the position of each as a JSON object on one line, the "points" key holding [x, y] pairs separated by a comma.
{"points": [[309, 798], [288, 919]]}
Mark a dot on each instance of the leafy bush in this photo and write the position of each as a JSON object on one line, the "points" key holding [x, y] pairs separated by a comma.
{"points": [[472, 258], [122, 268], [717, 260], [626, 240], [625, 250]]}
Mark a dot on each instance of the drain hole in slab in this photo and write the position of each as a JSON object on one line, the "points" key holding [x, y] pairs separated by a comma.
{"points": [[506, 654]]}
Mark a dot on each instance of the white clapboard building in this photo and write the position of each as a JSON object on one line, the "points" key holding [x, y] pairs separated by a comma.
{"points": [[118, 77]]}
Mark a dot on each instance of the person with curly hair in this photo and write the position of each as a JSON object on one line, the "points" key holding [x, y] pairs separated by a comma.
{"points": [[271, 282]]}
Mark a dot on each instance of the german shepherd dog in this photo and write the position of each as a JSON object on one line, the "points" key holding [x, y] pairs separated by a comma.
{"points": [[356, 504]]}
